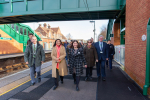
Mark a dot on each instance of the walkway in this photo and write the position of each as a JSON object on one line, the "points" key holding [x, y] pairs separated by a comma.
{"points": [[116, 87]]}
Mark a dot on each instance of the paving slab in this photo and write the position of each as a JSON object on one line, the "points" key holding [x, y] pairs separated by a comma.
{"points": [[36, 85], [67, 91]]}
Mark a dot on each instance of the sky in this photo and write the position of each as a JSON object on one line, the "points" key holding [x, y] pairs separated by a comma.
{"points": [[77, 29]]}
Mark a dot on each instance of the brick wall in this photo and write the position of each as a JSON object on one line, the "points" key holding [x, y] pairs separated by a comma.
{"points": [[9, 46], [137, 15], [116, 31]]}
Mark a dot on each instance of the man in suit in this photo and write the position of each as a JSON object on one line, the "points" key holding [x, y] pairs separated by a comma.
{"points": [[102, 52], [34, 56], [111, 53]]}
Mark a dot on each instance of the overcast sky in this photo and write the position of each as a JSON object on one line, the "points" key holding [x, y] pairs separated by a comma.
{"points": [[77, 29]]}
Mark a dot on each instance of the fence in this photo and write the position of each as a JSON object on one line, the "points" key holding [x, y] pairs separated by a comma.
{"points": [[120, 54]]}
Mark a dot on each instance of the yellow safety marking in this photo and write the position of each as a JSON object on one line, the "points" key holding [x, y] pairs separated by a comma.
{"points": [[120, 64], [21, 84]]}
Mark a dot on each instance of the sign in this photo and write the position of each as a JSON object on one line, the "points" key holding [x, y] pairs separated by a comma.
{"points": [[3, 38], [143, 37]]}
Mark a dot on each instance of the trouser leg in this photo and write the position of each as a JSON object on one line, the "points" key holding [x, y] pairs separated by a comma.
{"points": [[61, 78], [56, 80], [74, 77], [106, 62], [103, 68], [32, 69], [87, 71], [91, 69], [77, 80], [98, 68], [38, 70], [110, 62]]}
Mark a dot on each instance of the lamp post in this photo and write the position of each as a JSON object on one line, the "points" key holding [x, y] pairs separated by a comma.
{"points": [[94, 29]]}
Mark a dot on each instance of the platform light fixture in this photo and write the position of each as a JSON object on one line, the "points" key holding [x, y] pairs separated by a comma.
{"points": [[94, 29]]}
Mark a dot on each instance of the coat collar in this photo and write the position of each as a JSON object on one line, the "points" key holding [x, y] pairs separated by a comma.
{"points": [[56, 48], [90, 48], [30, 45]]}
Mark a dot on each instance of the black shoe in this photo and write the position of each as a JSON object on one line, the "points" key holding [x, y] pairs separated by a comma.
{"points": [[86, 79], [62, 82], [55, 87], [77, 88], [103, 79], [32, 84], [39, 80]]}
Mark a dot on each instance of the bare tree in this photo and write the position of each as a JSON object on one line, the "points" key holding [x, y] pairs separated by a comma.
{"points": [[69, 36], [103, 31]]}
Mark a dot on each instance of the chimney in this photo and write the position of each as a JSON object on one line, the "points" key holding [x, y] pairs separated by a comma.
{"points": [[45, 25], [49, 26]]}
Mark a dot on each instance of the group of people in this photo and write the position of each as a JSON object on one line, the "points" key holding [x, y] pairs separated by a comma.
{"points": [[73, 56]]}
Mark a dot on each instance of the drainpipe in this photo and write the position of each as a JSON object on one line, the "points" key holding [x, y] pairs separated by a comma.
{"points": [[147, 77]]}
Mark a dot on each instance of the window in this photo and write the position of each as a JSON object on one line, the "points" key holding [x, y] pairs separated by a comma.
{"points": [[0, 35], [21, 31], [12, 26], [111, 35], [54, 36], [25, 32], [17, 29], [50, 45], [49, 34]]}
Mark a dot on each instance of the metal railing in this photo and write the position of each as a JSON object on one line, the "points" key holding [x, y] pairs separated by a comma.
{"points": [[120, 54]]}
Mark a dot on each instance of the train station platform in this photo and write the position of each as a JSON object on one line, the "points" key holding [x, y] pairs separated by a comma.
{"points": [[116, 87]]}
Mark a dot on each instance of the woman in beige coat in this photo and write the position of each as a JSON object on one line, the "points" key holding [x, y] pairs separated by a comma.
{"points": [[59, 66]]}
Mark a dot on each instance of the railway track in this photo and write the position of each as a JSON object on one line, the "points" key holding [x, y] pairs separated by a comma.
{"points": [[12, 62]]}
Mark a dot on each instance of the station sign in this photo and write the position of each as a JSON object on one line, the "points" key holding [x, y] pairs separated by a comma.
{"points": [[3, 38]]}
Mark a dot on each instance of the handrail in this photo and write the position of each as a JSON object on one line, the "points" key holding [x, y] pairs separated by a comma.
{"points": [[29, 29]]}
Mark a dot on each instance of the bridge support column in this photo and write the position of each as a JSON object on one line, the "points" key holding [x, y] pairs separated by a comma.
{"points": [[122, 40]]}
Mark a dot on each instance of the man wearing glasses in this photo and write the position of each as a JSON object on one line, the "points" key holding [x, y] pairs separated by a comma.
{"points": [[102, 52]]}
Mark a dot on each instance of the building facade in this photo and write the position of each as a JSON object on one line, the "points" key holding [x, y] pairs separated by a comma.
{"points": [[48, 35]]}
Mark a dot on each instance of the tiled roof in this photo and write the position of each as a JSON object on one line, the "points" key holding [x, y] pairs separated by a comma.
{"points": [[55, 29]]}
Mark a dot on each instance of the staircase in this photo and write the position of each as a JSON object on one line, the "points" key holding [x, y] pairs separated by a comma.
{"points": [[19, 32]]}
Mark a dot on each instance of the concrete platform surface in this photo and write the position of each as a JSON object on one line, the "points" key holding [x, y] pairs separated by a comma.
{"points": [[116, 87]]}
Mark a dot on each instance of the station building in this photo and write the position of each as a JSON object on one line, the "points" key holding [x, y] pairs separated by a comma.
{"points": [[48, 35]]}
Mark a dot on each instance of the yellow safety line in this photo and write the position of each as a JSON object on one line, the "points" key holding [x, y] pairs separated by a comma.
{"points": [[119, 63], [20, 84]]}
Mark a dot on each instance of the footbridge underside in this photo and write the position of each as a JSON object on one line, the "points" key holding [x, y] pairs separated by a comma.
{"points": [[18, 11]]}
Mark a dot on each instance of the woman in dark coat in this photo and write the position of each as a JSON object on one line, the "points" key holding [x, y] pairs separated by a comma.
{"points": [[76, 60], [90, 56]]}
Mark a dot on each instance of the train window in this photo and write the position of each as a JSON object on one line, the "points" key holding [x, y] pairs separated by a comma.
{"points": [[0, 35], [12, 26], [21, 31], [17, 29], [25, 32]]}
